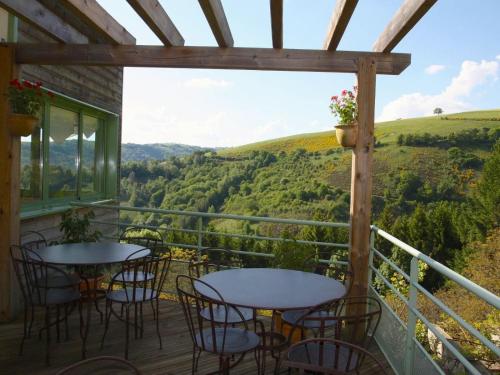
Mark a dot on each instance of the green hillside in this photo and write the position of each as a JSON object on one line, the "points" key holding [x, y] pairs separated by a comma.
{"points": [[386, 132]]}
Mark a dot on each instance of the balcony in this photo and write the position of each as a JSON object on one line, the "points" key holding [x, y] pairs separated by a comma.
{"points": [[398, 339]]}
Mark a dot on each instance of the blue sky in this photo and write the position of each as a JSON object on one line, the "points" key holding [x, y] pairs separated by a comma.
{"points": [[455, 65]]}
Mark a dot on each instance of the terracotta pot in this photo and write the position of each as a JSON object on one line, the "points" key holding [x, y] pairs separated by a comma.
{"points": [[285, 329], [347, 134], [94, 284], [21, 125]]}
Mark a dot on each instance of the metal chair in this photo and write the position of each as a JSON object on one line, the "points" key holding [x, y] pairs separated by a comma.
{"points": [[219, 338], [329, 357], [43, 285], [339, 272], [141, 280], [33, 240], [357, 329], [148, 238], [217, 259], [100, 365]]}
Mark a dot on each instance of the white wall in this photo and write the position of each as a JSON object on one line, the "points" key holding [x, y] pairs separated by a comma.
{"points": [[4, 25]]}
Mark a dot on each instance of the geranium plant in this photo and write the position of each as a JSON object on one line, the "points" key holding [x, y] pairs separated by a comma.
{"points": [[25, 97], [345, 106]]}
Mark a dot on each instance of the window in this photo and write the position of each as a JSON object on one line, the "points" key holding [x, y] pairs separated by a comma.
{"points": [[67, 157]]}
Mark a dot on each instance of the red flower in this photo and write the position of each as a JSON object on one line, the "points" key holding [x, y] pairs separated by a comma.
{"points": [[335, 97], [14, 82], [50, 94], [344, 92], [38, 84], [27, 84]]}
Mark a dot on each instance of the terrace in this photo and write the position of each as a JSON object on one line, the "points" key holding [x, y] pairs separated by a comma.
{"points": [[71, 46]]}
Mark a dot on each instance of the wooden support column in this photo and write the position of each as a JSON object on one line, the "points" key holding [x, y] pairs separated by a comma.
{"points": [[9, 189], [361, 177]]}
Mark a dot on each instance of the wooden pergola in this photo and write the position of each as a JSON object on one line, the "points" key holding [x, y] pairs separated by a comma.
{"points": [[118, 48]]}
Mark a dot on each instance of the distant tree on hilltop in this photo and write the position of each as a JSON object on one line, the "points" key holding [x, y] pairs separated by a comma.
{"points": [[438, 111]]}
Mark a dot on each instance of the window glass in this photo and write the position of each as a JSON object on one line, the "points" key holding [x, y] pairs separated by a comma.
{"points": [[63, 153], [89, 155], [31, 167]]}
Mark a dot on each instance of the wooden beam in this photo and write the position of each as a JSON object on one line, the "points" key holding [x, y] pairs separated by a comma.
{"points": [[403, 21], [214, 12], [338, 23], [10, 153], [207, 58], [96, 17], [277, 22], [158, 21], [361, 177], [44, 19]]}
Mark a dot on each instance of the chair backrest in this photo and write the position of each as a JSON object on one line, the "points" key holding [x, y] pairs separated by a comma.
{"points": [[148, 238], [33, 275], [33, 240], [193, 302], [146, 274], [330, 357], [213, 259], [356, 328], [100, 365]]}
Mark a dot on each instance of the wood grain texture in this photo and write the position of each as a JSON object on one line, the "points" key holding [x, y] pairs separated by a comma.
{"points": [[338, 23], [277, 22], [174, 359], [208, 58], [10, 154], [154, 15], [361, 177], [44, 19], [100, 21], [403, 21], [214, 13]]}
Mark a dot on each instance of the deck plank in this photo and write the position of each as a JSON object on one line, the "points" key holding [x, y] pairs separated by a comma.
{"points": [[173, 359]]}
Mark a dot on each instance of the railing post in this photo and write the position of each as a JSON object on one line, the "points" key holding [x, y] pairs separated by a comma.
{"points": [[200, 237], [412, 318], [370, 259]]}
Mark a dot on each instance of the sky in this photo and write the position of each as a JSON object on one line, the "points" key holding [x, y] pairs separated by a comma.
{"points": [[455, 65]]}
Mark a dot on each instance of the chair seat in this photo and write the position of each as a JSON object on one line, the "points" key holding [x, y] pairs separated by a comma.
{"points": [[219, 314], [56, 296], [128, 277], [293, 316], [237, 340], [59, 281], [127, 295], [309, 353]]}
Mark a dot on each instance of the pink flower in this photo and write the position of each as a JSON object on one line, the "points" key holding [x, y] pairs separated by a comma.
{"points": [[344, 92]]}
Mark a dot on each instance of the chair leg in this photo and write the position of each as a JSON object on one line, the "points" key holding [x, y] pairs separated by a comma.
{"points": [[25, 330], [127, 328], [86, 332], [32, 319], [153, 308], [47, 338], [135, 321], [66, 327], [58, 331], [158, 321], [106, 321], [141, 315]]}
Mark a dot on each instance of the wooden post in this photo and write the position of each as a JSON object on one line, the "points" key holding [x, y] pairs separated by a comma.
{"points": [[9, 189], [361, 177]]}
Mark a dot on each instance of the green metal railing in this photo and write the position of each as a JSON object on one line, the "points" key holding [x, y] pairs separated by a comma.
{"points": [[405, 363], [402, 349]]}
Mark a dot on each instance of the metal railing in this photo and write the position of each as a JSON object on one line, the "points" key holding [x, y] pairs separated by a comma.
{"points": [[405, 363], [410, 356]]}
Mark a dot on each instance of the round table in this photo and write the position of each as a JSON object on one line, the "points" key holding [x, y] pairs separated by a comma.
{"points": [[271, 289], [90, 253]]}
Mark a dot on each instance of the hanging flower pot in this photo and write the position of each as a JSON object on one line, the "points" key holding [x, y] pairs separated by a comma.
{"points": [[345, 108], [347, 134], [21, 125]]}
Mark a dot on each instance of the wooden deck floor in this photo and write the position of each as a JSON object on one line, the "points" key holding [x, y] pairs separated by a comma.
{"points": [[173, 359]]}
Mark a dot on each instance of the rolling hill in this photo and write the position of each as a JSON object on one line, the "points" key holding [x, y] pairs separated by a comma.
{"points": [[385, 132]]}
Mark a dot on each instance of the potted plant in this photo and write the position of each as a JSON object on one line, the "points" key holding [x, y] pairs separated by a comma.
{"points": [[346, 109], [77, 229], [25, 99]]}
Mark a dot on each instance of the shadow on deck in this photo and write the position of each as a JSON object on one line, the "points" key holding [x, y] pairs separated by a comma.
{"points": [[173, 359]]}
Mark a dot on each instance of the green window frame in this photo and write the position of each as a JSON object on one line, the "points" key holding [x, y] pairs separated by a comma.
{"points": [[105, 179]]}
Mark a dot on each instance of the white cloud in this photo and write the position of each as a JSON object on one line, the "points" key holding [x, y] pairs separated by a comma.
{"points": [[498, 57], [452, 99], [433, 69], [204, 83]]}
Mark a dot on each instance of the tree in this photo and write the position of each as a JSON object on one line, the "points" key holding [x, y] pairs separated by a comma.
{"points": [[438, 111]]}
